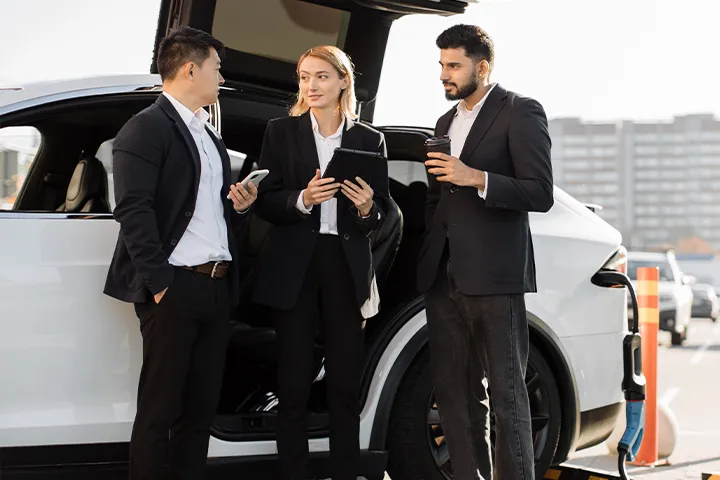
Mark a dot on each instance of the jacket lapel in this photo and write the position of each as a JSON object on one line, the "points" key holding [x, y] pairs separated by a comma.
{"points": [[170, 110], [306, 143], [224, 157], [351, 137], [444, 122], [488, 112]]}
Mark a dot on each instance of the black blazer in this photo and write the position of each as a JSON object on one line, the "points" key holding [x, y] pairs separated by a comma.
{"points": [[491, 248], [156, 168], [289, 152]]}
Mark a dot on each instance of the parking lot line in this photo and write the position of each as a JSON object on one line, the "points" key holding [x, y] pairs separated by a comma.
{"points": [[701, 351], [668, 396]]}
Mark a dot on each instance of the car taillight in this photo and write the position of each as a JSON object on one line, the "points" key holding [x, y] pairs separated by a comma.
{"points": [[618, 261]]}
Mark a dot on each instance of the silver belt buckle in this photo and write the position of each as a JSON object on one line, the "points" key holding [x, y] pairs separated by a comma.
{"points": [[212, 274]]}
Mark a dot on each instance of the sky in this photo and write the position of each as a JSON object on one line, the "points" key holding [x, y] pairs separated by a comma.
{"points": [[601, 60]]}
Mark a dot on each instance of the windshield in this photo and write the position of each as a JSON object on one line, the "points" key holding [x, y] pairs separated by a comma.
{"points": [[666, 272]]}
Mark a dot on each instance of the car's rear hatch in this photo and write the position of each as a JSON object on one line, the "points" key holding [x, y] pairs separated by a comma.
{"points": [[264, 38]]}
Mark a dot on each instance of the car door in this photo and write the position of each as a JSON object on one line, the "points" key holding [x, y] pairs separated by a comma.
{"points": [[69, 355], [264, 42]]}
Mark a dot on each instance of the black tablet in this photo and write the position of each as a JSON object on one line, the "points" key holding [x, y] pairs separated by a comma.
{"points": [[346, 164]]}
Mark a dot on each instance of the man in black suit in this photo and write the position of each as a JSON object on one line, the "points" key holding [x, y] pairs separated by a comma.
{"points": [[173, 260], [477, 260]]}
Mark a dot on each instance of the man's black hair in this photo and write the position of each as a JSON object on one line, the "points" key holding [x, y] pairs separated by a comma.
{"points": [[477, 43], [182, 45]]}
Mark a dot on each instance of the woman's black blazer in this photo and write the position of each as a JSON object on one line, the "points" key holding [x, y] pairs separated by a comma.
{"points": [[290, 153]]}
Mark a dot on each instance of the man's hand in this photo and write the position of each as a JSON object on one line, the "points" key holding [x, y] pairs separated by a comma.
{"points": [[159, 296], [361, 196], [241, 197], [319, 190], [452, 170]]}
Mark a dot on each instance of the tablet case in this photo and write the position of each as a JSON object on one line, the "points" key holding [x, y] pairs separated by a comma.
{"points": [[346, 164]]}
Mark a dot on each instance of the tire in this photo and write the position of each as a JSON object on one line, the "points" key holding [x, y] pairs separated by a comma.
{"points": [[413, 452], [677, 339]]}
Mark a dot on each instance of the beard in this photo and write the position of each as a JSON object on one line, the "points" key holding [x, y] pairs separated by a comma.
{"points": [[463, 91]]}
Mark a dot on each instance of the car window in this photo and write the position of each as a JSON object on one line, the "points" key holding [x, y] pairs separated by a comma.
{"points": [[104, 154], [18, 146], [295, 27], [666, 272]]}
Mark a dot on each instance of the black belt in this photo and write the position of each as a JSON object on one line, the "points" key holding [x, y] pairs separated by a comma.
{"points": [[213, 269]]}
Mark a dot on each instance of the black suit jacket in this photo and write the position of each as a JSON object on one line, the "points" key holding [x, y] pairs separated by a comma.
{"points": [[289, 152], [156, 168], [491, 249]]}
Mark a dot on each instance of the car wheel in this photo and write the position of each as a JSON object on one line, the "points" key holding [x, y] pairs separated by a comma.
{"points": [[416, 443], [677, 338]]}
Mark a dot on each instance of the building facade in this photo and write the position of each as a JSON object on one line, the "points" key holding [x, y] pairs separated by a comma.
{"points": [[657, 182]]}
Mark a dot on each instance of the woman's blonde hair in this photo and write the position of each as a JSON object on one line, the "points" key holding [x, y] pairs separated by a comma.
{"points": [[347, 102]]}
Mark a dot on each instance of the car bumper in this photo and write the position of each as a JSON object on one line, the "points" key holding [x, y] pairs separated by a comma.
{"points": [[705, 309]]}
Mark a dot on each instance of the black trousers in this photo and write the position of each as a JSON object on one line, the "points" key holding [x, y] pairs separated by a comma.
{"points": [[473, 338], [327, 300], [184, 344]]}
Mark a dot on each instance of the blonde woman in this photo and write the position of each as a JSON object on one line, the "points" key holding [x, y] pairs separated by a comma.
{"points": [[316, 272]]}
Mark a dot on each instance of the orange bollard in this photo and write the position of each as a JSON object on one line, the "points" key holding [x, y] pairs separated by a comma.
{"points": [[649, 324]]}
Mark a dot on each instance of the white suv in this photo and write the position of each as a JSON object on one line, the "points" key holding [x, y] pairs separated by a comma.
{"points": [[675, 294], [70, 356]]}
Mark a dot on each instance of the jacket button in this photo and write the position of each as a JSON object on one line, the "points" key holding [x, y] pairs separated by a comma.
{"points": [[188, 214], [173, 242], [453, 189], [346, 236]]}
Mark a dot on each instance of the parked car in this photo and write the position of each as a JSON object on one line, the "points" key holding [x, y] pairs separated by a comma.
{"points": [[705, 301], [675, 295], [70, 356]]}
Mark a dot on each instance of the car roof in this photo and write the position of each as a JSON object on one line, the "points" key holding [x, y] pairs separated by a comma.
{"points": [[649, 256], [35, 93]]}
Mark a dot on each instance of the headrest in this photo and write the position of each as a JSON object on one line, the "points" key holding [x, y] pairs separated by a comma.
{"points": [[87, 182]]}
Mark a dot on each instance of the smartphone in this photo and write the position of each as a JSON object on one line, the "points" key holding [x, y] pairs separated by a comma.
{"points": [[255, 177]]}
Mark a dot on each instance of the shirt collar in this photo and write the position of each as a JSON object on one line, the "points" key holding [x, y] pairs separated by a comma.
{"points": [[464, 111], [192, 120], [316, 127]]}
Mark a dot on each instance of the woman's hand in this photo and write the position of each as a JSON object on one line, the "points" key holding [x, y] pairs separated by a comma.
{"points": [[361, 195], [319, 190]]}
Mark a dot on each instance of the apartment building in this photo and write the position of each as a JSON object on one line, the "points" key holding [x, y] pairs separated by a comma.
{"points": [[658, 182]]}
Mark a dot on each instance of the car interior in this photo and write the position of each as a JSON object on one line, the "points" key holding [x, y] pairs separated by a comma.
{"points": [[72, 172]]}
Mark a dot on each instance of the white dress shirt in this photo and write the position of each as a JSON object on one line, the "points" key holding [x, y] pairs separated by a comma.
{"points": [[325, 147], [206, 237], [460, 128]]}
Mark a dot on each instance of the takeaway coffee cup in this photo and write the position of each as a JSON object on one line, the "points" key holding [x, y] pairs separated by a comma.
{"points": [[438, 144]]}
